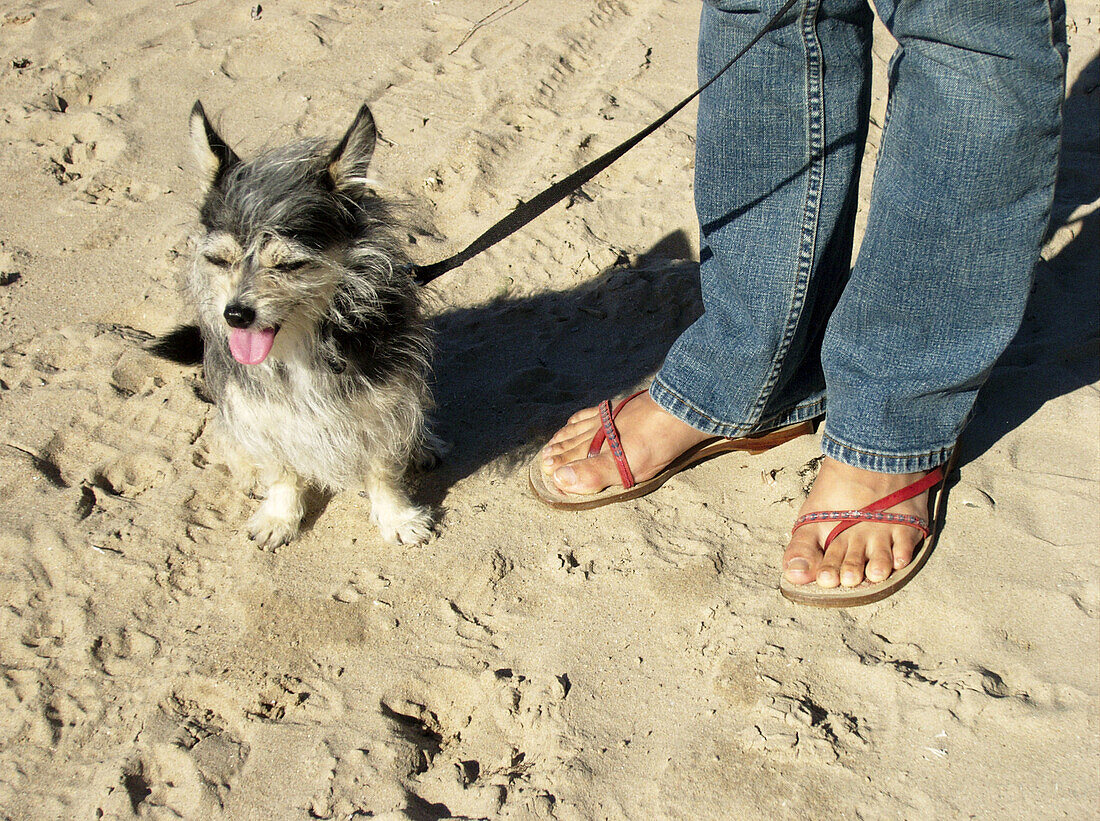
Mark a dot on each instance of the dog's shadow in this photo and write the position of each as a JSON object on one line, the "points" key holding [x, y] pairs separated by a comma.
{"points": [[508, 373]]}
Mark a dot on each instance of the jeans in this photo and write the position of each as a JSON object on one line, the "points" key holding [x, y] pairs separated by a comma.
{"points": [[898, 342]]}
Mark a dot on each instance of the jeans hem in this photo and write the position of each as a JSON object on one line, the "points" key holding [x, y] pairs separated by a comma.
{"points": [[861, 457], [683, 409]]}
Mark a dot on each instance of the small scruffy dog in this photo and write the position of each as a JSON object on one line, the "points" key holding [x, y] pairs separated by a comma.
{"points": [[309, 328]]}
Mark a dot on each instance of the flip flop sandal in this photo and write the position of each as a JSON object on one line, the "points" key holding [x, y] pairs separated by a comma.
{"points": [[545, 491], [868, 591]]}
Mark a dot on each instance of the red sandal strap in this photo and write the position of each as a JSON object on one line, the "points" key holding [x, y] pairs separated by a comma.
{"points": [[609, 433], [601, 436], [873, 512], [857, 516], [931, 479]]}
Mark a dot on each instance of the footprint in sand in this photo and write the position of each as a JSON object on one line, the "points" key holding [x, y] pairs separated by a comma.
{"points": [[482, 745], [187, 755]]}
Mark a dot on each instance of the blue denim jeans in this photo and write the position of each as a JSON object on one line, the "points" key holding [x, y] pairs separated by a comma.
{"points": [[899, 342]]}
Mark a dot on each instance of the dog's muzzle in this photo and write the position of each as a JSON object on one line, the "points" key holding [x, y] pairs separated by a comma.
{"points": [[238, 315], [248, 344]]}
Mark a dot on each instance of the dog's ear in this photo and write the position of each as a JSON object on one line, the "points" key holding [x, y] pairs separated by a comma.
{"points": [[347, 165], [213, 153]]}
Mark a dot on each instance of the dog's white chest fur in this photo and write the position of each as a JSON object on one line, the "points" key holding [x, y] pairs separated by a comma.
{"points": [[302, 423]]}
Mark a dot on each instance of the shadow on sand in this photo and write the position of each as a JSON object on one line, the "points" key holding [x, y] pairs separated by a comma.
{"points": [[1056, 350], [508, 373]]}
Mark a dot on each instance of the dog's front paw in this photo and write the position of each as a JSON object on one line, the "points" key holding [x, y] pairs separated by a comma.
{"points": [[271, 531], [412, 525]]}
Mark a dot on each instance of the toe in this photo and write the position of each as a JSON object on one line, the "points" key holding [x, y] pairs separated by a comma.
{"points": [[828, 572], [801, 559], [568, 444], [584, 427], [855, 559], [905, 544], [583, 416], [554, 456], [880, 560], [586, 475]]}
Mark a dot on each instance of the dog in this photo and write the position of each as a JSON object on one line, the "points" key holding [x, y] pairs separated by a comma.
{"points": [[310, 329]]}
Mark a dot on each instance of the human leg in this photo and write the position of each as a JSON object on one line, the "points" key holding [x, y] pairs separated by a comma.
{"points": [[778, 149], [778, 153], [959, 206]]}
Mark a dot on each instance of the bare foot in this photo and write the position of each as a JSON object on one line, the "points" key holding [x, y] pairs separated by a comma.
{"points": [[869, 550], [651, 438]]}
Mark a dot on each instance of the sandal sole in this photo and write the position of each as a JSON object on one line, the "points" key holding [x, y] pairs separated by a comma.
{"points": [[707, 449]]}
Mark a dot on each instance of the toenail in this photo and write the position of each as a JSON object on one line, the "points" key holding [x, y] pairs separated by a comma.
{"points": [[565, 476], [799, 565]]}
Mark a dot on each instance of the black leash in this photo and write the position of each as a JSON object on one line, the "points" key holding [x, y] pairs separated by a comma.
{"points": [[527, 211]]}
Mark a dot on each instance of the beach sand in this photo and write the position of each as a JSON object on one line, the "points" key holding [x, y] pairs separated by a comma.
{"points": [[633, 662]]}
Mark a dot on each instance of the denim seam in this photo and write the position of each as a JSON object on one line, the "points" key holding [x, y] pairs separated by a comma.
{"points": [[812, 208], [1050, 25], [886, 131], [1057, 152]]}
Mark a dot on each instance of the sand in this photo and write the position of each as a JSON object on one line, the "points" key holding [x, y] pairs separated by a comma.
{"points": [[635, 662]]}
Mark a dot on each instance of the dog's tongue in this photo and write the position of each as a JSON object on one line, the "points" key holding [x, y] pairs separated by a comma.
{"points": [[251, 347]]}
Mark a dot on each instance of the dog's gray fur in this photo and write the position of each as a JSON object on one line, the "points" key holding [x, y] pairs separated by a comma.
{"points": [[296, 238]]}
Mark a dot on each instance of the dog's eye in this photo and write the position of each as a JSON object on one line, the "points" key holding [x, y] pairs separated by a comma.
{"points": [[214, 259], [292, 265]]}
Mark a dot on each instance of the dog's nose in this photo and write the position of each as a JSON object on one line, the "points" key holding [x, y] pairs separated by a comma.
{"points": [[238, 315]]}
